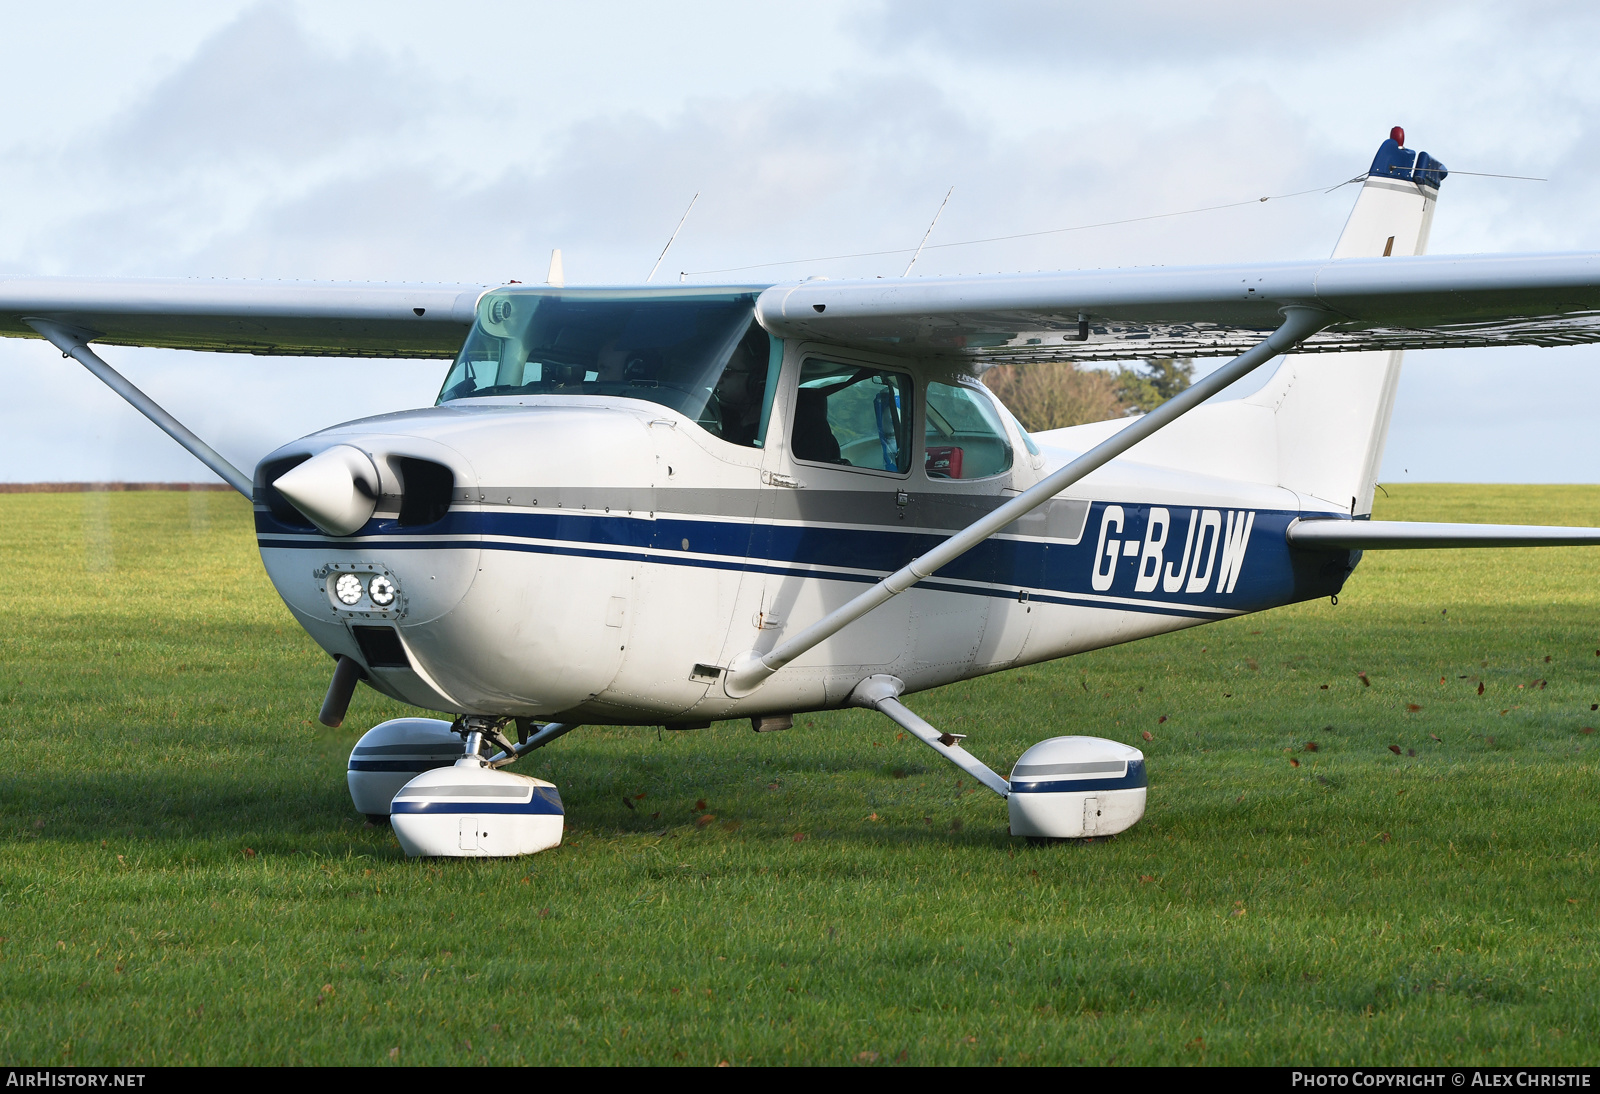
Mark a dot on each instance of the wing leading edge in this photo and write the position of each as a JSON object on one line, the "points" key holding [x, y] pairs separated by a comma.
{"points": [[1395, 303], [292, 318]]}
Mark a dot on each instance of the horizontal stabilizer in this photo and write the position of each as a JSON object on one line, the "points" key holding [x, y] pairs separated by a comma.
{"points": [[1403, 535]]}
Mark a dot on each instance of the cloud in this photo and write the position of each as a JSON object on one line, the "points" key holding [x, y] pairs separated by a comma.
{"points": [[1149, 33]]}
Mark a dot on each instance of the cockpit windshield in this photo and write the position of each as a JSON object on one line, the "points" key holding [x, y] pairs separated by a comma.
{"points": [[702, 354]]}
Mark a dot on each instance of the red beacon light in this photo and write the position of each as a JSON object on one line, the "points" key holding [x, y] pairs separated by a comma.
{"points": [[1398, 135]]}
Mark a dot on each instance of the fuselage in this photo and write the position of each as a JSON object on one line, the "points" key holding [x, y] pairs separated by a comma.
{"points": [[591, 556]]}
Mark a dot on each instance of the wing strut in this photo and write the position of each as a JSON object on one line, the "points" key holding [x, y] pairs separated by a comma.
{"points": [[751, 669], [74, 345]]}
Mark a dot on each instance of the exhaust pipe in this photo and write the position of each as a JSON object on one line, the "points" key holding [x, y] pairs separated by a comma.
{"points": [[347, 673]]}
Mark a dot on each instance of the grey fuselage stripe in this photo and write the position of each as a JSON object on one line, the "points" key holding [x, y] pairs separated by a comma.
{"points": [[1062, 519]]}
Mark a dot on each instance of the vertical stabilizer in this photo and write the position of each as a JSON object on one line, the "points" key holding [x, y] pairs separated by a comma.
{"points": [[1333, 410]]}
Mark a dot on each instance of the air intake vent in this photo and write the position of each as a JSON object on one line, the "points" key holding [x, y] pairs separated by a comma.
{"points": [[381, 648], [282, 510], [427, 490]]}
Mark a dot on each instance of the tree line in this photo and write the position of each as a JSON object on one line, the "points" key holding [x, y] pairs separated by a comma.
{"points": [[1056, 394]]}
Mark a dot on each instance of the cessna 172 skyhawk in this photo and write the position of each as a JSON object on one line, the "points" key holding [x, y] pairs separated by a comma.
{"points": [[670, 505]]}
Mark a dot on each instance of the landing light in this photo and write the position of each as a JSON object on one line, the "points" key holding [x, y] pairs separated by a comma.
{"points": [[381, 590], [348, 589]]}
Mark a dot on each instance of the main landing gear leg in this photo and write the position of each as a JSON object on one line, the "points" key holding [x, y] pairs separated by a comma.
{"points": [[882, 693], [1062, 788]]}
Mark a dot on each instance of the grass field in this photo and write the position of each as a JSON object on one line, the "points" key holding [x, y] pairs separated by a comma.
{"points": [[183, 880]]}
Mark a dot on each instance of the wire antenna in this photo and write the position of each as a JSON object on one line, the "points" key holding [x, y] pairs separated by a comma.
{"points": [[929, 232], [1028, 235], [675, 232]]}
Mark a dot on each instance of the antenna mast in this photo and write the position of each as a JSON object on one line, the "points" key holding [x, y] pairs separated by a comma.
{"points": [[929, 232], [675, 232]]}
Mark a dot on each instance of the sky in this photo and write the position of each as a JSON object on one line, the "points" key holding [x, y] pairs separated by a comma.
{"points": [[462, 143]]}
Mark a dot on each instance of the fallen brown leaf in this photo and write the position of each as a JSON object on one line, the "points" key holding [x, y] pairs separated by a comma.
{"points": [[1395, 749], [1480, 687], [1413, 707], [1585, 729], [1148, 735], [1145, 879], [700, 806], [705, 819], [1311, 746], [249, 852], [1437, 738], [1293, 762], [1161, 719], [866, 1057], [1363, 678], [799, 837]]}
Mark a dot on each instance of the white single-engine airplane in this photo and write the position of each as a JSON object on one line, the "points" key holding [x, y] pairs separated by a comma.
{"points": [[669, 505]]}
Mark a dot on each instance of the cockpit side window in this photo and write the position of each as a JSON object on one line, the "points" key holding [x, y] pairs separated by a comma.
{"points": [[965, 437], [741, 400], [852, 416]]}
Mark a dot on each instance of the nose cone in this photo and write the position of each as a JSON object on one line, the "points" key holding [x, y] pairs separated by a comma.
{"points": [[336, 489]]}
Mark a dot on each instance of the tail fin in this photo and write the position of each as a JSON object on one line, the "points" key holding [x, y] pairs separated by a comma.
{"points": [[1332, 411]]}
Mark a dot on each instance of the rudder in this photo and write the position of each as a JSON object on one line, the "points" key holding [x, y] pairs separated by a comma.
{"points": [[1332, 410]]}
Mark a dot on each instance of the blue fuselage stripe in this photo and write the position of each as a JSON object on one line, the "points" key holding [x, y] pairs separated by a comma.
{"points": [[1121, 562]]}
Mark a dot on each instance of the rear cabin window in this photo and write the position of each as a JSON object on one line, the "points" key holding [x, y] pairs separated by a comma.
{"points": [[853, 416], [965, 438]]}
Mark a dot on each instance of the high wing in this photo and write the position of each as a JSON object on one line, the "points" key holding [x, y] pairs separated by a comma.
{"points": [[1420, 302], [291, 318], [1197, 311]]}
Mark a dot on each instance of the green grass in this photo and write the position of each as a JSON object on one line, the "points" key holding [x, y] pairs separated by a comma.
{"points": [[182, 877]]}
